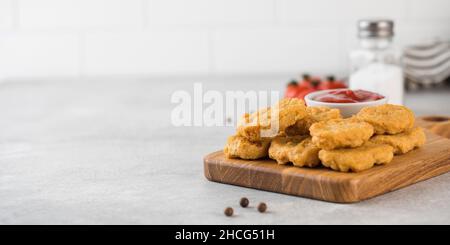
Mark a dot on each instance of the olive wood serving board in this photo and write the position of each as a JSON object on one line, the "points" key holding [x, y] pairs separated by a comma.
{"points": [[324, 184]]}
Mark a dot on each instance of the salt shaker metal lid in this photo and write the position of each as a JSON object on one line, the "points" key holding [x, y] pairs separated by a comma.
{"points": [[375, 28]]}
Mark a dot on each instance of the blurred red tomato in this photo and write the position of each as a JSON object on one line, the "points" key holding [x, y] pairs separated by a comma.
{"points": [[292, 89], [331, 83]]}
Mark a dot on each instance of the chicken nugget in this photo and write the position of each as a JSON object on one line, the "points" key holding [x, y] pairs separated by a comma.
{"points": [[240, 147], [288, 111], [313, 114], [403, 142], [281, 145], [296, 149], [387, 118], [340, 133], [357, 159]]}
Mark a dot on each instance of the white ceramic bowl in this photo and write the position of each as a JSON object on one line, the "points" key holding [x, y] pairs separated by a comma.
{"points": [[347, 109]]}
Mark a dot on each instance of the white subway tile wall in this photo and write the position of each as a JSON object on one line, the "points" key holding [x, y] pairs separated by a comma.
{"points": [[346, 11], [276, 49], [45, 38], [146, 52], [6, 14], [80, 14], [431, 10], [210, 12], [39, 54]]}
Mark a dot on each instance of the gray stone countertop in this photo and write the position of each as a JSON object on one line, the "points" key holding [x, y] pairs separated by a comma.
{"points": [[105, 152]]}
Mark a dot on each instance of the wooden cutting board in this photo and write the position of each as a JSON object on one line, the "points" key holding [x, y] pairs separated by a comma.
{"points": [[321, 183], [437, 124]]}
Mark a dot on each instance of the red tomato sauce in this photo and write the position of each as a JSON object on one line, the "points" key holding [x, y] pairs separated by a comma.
{"points": [[348, 96]]}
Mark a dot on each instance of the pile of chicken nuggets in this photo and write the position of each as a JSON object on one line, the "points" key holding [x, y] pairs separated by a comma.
{"points": [[315, 136]]}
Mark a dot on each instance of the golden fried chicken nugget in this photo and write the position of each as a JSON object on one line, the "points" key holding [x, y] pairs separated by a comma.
{"points": [[403, 142], [340, 133], [288, 111], [281, 145], [296, 149], [240, 147], [313, 114], [250, 125], [388, 119], [357, 159]]}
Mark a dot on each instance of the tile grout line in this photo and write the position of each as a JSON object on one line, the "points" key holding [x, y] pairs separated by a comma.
{"points": [[211, 63], [343, 49], [275, 6], [145, 18], [407, 8], [81, 55], [16, 14]]}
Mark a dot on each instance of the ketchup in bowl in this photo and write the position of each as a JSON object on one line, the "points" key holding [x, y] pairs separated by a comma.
{"points": [[348, 96]]}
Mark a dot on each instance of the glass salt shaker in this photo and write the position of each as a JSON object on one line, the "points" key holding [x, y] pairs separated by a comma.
{"points": [[374, 65]]}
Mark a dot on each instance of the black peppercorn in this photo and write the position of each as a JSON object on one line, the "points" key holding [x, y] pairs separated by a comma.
{"points": [[244, 202], [262, 207], [228, 211]]}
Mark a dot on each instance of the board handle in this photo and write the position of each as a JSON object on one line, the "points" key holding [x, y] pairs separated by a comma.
{"points": [[437, 124]]}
